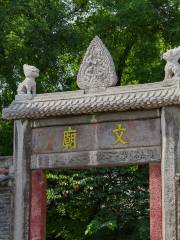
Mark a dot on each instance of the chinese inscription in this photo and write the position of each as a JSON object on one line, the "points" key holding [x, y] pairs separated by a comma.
{"points": [[69, 139], [119, 132], [89, 137]]}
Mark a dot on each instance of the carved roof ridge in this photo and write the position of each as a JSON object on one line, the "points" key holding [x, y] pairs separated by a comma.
{"points": [[111, 90], [140, 96]]}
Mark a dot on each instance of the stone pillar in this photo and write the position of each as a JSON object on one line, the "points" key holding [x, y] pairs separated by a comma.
{"points": [[22, 155], [178, 204], [170, 120], [38, 206], [155, 190]]}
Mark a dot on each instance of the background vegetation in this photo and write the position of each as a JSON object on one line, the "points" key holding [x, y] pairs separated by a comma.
{"points": [[54, 35], [98, 204]]}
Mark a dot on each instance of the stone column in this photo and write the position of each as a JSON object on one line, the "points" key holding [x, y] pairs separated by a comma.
{"points": [[170, 120], [38, 206], [178, 204], [155, 190], [22, 155]]}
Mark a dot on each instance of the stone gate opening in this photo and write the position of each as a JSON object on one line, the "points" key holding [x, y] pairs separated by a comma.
{"points": [[98, 203]]}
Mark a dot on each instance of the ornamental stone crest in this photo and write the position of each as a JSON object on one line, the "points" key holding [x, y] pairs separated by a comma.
{"points": [[97, 69]]}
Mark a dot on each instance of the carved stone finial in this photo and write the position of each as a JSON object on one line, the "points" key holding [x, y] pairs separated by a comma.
{"points": [[172, 68], [28, 86], [97, 69]]}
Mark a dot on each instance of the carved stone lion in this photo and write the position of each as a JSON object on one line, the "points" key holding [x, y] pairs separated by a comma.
{"points": [[172, 68], [28, 86]]}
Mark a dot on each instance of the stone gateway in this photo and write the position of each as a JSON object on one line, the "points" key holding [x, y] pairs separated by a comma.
{"points": [[99, 125]]}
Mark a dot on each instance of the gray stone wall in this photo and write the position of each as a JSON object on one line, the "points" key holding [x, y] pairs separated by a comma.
{"points": [[6, 198], [5, 213]]}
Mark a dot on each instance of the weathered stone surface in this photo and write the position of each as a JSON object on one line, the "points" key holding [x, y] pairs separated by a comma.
{"points": [[98, 136], [170, 165], [114, 157], [28, 86], [96, 118], [6, 197], [114, 99], [97, 69], [172, 68], [6, 213], [22, 155], [177, 178]]}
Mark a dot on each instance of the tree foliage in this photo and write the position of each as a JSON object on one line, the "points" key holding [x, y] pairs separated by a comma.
{"points": [[100, 203]]}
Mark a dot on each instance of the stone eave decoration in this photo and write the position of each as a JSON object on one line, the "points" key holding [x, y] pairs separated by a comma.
{"points": [[141, 96], [97, 69], [97, 80]]}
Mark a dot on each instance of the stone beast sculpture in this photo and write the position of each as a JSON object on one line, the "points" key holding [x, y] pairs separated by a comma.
{"points": [[172, 68], [28, 86]]}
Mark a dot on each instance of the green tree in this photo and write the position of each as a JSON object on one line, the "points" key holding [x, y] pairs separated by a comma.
{"points": [[37, 33], [105, 203]]}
